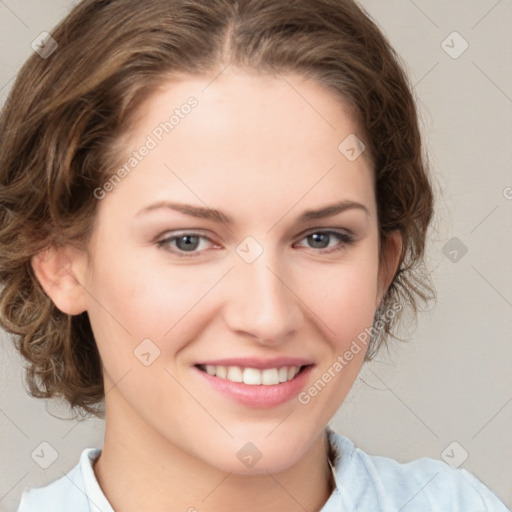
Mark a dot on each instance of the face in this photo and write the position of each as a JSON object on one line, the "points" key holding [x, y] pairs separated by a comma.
{"points": [[182, 306]]}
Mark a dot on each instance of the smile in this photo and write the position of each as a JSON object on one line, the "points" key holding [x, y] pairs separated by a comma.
{"points": [[253, 376], [261, 388]]}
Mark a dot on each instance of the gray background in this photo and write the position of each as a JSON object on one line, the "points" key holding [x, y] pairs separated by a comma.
{"points": [[451, 382]]}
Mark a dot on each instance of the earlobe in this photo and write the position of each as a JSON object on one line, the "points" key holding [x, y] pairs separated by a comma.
{"points": [[56, 271], [389, 264]]}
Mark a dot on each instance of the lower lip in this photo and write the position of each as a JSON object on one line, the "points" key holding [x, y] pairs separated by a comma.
{"points": [[258, 396]]}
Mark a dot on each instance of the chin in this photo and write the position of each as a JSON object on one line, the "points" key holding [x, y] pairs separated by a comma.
{"points": [[260, 455]]}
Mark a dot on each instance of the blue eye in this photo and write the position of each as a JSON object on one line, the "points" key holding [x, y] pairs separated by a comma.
{"points": [[186, 245], [321, 239]]}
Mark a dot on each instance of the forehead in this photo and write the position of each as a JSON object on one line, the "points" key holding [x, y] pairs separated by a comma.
{"points": [[248, 139], [277, 109]]}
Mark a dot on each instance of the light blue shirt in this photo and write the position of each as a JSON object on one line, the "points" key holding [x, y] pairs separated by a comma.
{"points": [[364, 483]]}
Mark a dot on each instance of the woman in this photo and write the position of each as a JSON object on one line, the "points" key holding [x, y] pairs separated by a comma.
{"points": [[213, 215]]}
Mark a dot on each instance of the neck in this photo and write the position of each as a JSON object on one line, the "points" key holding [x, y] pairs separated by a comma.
{"points": [[140, 470]]}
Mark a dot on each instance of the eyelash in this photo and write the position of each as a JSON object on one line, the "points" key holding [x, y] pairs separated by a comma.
{"points": [[344, 238]]}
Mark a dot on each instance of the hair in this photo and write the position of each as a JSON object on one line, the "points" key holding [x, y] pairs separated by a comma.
{"points": [[66, 113]]}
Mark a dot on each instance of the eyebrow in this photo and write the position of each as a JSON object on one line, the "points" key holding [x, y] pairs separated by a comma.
{"points": [[221, 217]]}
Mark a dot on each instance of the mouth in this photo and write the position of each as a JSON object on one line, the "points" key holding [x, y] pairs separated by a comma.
{"points": [[254, 376], [256, 381], [271, 385]]}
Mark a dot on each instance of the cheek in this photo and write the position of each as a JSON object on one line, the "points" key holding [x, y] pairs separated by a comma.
{"points": [[347, 307], [131, 301], [344, 296]]}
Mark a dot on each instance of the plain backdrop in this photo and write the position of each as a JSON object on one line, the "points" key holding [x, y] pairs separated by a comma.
{"points": [[446, 392]]}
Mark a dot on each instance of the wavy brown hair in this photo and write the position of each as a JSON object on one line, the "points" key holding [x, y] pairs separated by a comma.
{"points": [[65, 114]]}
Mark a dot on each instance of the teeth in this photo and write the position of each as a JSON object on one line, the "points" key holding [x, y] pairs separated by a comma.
{"points": [[235, 374], [221, 371], [283, 374], [253, 376], [270, 377]]}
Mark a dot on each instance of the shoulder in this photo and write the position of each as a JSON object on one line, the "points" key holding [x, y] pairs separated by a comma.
{"points": [[373, 482], [76, 490]]}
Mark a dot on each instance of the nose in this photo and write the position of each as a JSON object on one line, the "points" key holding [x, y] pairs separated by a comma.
{"points": [[263, 301]]}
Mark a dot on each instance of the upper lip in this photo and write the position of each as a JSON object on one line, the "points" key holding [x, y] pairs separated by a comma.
{"points": [[258, 362]]}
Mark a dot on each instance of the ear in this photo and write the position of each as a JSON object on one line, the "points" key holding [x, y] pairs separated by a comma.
{"points": [[60, 271], [388, 266]]}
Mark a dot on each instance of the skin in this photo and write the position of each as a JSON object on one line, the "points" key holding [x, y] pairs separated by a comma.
{"points": [[262, 153]]}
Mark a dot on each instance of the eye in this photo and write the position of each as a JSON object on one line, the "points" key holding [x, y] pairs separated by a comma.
{"points": [[183, 243], [321, 240]]}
